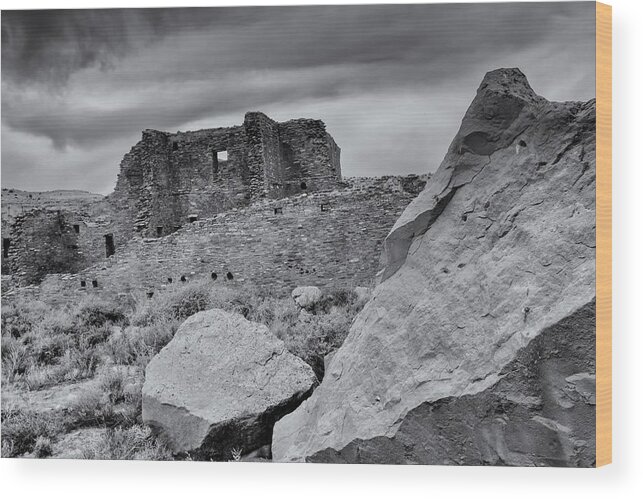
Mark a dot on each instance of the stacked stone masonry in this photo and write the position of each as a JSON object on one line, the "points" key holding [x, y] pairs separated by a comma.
{"points": [[169, 177], [168, 180], [326, 239]]}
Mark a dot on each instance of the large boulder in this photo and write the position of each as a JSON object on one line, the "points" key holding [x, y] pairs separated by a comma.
{"points": [[221, 384], [477, 346]]}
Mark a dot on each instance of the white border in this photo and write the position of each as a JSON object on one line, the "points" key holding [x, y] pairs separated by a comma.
{"points": [[109, 479]]}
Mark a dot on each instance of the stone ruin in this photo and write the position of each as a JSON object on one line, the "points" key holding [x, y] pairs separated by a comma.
{"points": [[168, 180], [263, 201]]}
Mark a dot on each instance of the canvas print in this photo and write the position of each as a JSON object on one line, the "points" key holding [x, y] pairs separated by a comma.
{"points": [[324, 234]]}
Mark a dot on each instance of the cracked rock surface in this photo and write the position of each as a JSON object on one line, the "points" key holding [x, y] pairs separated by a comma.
{"points": [[221, 383], [477, 346]]}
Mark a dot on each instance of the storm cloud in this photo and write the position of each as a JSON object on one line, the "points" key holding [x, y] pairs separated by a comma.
{"points": [[391, 81]]}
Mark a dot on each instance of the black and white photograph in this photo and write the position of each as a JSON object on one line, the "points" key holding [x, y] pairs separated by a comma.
{"points": [[353, 234]]}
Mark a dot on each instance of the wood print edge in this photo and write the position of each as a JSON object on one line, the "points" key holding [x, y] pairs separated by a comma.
{"points": [[603, 234]]}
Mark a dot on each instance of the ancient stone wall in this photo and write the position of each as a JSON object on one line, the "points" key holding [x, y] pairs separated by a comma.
{"points": [[325, 239], [168, 180], [16, 202], [42, 242], [310, 157], [68, 240], [264, 155]]}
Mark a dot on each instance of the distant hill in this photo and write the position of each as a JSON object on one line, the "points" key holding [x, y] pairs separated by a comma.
{"points": [[15, 201]]}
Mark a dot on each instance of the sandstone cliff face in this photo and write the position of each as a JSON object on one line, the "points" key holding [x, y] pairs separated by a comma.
{"points": [[477, 346]]}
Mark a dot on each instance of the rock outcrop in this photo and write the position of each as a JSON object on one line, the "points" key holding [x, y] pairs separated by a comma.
{"points": [[477, 346], [221, 384], [306, 296]]}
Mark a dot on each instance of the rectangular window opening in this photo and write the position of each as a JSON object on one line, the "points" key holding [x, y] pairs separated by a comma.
{"points": [[159, 231], [218, 157], [77, 228], [110, 249], [6, 244]]}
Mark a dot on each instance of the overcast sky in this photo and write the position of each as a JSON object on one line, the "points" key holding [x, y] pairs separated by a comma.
{"points": [[392, 82]]}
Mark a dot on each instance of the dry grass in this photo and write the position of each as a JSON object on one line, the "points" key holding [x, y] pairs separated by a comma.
{"points": [[136, 442], [44, 346]]}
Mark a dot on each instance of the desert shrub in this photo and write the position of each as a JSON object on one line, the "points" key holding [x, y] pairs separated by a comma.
{"points": [[137, 345], [113, 401], [177, 303], [46, 346], [39, 377], [112, 384], [94, 312], [312, 337], [93, 335], [19, 319], [136, 442], [46, 349], [15, 358], [182, 301], [246, 301], [22, 429], [42, 447], [188, 302], [285, 314], [91, 409], [339, 298], [77, 363], [55, 322]]}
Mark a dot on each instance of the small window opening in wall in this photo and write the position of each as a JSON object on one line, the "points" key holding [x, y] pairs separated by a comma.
{"points": [[77, 228], [94, 283], [214, 276], [150, 294], [325, 207], [303, 186], [522, 143], [217, 158], [110, 249], [83, 284], [169, 279], [279, 211], [229, 276], [6, 244], [183, 278], [175, 146], [192, 218], [159, 231]]}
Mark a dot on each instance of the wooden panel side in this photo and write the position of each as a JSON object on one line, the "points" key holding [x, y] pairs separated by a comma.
{"points": [[603, 234]]}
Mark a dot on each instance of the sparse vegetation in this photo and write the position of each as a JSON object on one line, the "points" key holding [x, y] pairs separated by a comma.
{"points": [[21, 430], [109, 344]]}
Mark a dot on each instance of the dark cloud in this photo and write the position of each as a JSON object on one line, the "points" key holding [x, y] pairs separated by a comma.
{"points": [[46, 45], [83, 79]]}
